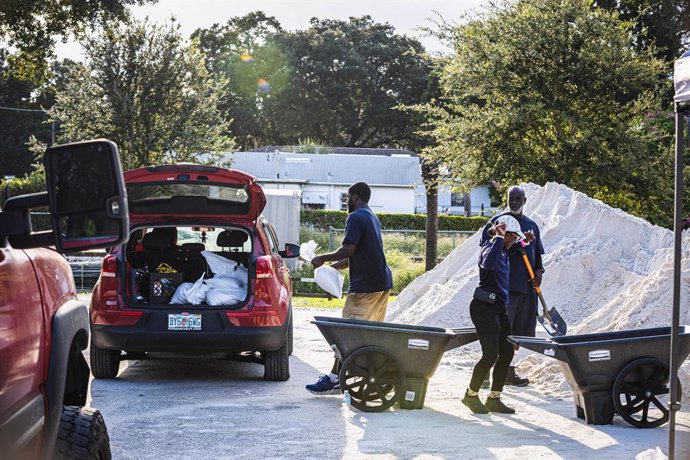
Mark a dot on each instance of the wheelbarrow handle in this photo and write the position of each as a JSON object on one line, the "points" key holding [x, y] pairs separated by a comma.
{"points": [[546, 347]]}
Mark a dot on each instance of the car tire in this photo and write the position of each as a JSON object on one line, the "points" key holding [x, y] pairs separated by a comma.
{"points": [[277, 363], [105, 364], [82, 435]]}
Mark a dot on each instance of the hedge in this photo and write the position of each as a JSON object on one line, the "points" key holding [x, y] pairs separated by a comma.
{"points": [[323, 219]]}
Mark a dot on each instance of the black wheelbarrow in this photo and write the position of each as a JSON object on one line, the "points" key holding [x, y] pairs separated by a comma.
{"points": [[620, 372], [387, 363]]}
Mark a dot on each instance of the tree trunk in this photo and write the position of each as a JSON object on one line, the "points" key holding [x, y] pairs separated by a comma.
{"points": [[468, 204], [430, 178]]}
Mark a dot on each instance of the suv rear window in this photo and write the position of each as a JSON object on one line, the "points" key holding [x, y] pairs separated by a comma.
{"points": [[188, 198]]}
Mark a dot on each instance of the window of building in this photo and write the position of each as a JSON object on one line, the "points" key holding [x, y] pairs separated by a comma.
{"points": [[343, 201]]}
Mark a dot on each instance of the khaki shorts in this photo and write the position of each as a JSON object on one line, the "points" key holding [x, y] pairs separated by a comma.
{"points": [[370, 306]]}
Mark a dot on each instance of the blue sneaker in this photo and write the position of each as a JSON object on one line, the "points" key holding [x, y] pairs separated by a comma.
{"points": [[324, 386]]}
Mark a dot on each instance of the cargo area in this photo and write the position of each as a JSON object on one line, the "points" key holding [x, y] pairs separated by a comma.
{"points": [[188, 265]]}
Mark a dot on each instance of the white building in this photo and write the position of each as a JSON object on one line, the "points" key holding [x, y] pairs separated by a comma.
{"points": [[324, 179], [394, 175]]}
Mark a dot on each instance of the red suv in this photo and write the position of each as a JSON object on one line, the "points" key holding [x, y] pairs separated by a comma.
{"points": [[202, 273]]}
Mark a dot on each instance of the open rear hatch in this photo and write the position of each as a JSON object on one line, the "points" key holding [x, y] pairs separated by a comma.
{"points": [[192, 193], [204, 266]]}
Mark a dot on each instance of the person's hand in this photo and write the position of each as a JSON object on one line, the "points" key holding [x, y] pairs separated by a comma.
{"points": [[317, 261], [537, 279], [529, 236], [500, 229]]}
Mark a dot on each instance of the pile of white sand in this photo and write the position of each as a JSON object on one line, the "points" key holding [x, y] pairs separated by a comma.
{"points": [[605, 270]]}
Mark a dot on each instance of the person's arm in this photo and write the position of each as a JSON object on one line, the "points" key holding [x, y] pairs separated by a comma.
{"points": [[343, 252], [489, 259], [538, 264], [341, 264]]}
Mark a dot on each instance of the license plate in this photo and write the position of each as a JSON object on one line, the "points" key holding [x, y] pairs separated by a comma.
{"points": [[184, 321]]}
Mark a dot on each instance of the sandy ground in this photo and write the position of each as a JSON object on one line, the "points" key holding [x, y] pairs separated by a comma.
{"points": [[205, 408]]}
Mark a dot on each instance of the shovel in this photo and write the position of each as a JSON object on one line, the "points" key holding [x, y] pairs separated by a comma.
{"points": [[551, 320]]}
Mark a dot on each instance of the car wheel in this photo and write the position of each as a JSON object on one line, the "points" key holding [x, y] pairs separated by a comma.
{"points": [[277, 363], [82, 435], [290, 335], [105, 364]]}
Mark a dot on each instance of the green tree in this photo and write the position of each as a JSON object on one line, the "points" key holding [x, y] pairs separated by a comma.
{"points": [[551, 90], [30, 27], [350, 77], [143, 88], [21, 116], [663, 24]]}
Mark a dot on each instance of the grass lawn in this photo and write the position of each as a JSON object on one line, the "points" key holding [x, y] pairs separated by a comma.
{"points": [[320, 302]]}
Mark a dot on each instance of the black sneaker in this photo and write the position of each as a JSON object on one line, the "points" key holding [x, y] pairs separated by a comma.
{"points": [[475, 404], [496, 405], [515, 380]]}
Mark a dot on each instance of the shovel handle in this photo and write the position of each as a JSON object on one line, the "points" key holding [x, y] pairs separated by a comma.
{"points": [[536, 288], [531, 275]]}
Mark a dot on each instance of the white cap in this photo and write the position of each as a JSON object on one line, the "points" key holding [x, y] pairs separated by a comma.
{"points": [[512, 225]]}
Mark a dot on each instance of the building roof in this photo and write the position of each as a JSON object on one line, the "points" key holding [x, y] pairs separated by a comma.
{"points": [[332, 169], [342, 150]]}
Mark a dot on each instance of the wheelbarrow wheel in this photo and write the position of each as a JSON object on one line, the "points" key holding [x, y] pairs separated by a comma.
{"points": [[635, 392], [373, 377]]}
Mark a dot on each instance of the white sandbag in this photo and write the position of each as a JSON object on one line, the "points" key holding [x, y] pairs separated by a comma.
{"points": [[307, 251], [219, 264], [242, 274], [330, 280], [225, 296], [180, 295], [225, 282], [197, 293]]}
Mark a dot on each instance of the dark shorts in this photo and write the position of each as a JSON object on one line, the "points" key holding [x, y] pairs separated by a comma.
{"points": [[522, 311]]}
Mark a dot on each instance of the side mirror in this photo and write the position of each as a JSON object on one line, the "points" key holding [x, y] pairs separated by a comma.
{"points": [[291, 251], [87, 195]]}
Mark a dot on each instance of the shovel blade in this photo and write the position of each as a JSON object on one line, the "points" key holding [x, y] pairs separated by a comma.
{"points": [[553, 322]]}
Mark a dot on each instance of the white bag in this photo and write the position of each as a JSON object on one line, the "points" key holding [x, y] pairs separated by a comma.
{"points": [[330, 280], [225, 296], [307, 251], [225, 282], [219, 264], [180, 295], [197, 293], [242, 274]]}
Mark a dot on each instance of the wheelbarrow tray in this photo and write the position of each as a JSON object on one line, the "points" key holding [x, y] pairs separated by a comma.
{"points": [[418, 348], [386, 363], [591, 363]]}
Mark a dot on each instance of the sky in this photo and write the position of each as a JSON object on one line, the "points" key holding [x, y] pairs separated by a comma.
{"points": [[404, 15]]}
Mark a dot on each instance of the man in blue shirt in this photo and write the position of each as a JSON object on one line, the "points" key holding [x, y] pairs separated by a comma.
{"points": [[523, 300], [370, 278]]}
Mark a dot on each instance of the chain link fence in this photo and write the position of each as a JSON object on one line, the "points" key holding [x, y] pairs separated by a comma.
{"points": [[405, 253]]}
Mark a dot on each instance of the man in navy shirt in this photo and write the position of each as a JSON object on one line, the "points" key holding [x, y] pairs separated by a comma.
{"points": [[370, 277], [523, 300]]}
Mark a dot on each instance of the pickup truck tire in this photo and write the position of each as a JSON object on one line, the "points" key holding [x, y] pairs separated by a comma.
{"points": [[290, 335], [277, 363], [82, 435], [105, 364]]}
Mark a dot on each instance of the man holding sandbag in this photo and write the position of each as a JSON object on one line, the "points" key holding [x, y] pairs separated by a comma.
{"points": [[370, 277]]}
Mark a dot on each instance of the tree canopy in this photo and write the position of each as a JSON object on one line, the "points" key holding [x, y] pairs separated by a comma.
{"points": [[337, 82], [661, 24], [143, 88], [32, 26], [552, 90]]}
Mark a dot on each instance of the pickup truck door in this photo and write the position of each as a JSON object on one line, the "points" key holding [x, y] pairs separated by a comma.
{"points": [[22, 354]]}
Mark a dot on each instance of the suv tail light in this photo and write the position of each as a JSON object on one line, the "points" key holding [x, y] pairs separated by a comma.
{"points": [[109, 266], [264, 267]]}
